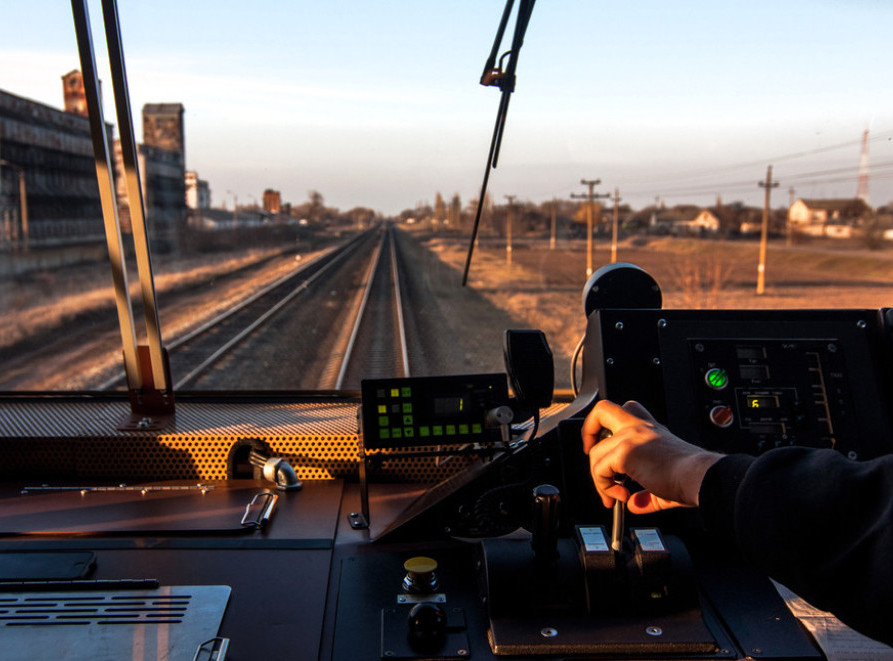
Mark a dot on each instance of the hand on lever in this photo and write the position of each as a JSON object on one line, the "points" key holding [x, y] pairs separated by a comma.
{"points": [[669, 469]]}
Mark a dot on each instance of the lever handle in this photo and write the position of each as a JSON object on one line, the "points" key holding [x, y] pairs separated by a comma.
{"points": [[619, 508], [544, 525]]}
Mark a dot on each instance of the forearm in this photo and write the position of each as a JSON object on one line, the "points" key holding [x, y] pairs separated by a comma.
{"points": [[814, 520]]}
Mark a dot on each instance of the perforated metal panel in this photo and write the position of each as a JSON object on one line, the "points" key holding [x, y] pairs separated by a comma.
{"points": [[78, 438]]}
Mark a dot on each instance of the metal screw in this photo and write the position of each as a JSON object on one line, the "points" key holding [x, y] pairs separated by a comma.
{"points": [[757, 650], [462, 652], [832, 348], [852, 454], [609, 361], [401, 599], [654, 631], [145, 423], [548, 632], [699, 347], [619, 325], [655, 361], [389, 653], [861, 324], [661, 323]]}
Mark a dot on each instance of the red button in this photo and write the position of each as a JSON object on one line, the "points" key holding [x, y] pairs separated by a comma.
{"points": [[722, 416]]}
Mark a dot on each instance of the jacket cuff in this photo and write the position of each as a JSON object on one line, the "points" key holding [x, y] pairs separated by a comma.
{"points": [[718, 494]]}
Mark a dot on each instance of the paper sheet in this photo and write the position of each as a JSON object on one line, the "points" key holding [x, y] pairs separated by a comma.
{"points": [[838, 641]]}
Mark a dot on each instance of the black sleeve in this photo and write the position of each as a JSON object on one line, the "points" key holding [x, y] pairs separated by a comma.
{"points": [[817, 522]]}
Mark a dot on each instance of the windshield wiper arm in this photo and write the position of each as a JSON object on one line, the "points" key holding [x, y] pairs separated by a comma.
{"points": [[504, 79]]}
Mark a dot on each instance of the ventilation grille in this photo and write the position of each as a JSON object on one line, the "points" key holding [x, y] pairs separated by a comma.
{"points": [[93, 624], [93, 610]]}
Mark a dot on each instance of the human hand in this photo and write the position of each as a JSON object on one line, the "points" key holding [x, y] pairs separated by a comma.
{"points": [[669, 469]]}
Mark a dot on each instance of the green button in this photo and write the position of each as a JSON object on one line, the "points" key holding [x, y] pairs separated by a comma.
{"points": [[406, 391], [477, 428], [396, 432], [408, 432], [451, 430], [407, 407], [463, 429], [384, 433], [717, 378], [438, 430], [407, 420], [382, 421]]}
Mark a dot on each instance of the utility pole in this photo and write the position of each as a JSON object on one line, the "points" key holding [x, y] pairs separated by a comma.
{"points": [[789, 238], [554, 217], [591, 183], [508, 230], [764, 236], [614, 226]]}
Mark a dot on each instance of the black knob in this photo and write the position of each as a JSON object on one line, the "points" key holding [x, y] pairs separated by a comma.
{"points": [[544, 524], [427, 625]]}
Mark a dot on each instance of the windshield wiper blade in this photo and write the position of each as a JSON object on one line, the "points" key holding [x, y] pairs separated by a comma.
{"points": [[503, 78]]}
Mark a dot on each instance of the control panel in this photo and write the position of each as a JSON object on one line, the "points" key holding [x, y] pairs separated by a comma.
{"points": [[751, 381], [419, 411]]}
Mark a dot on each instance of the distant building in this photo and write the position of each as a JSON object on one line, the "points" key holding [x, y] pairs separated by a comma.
{"points": [[163, 127], [198, 192], [686, 220], [272, 201], [75, 95], [830, 217], [161, 163], [54, 151]]}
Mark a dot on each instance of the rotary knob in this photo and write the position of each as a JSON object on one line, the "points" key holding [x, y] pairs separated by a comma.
{"points": [[427, 626]]}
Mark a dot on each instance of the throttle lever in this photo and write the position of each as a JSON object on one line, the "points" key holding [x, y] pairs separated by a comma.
{"points": [[619, 507]]}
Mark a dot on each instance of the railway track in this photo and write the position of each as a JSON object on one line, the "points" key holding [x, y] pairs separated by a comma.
{"points": [[363, 309], [196, 355], [378, 344], [347, 325]]}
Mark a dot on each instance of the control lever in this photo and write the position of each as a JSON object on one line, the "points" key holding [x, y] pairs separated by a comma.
{"points": [[619, 507], [544, 524], [619, 513]]}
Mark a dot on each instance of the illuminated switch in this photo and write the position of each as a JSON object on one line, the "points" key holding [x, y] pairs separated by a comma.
{"points": [[717, 378], [722, 416]]}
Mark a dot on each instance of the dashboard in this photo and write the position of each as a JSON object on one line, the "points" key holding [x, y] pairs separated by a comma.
{"points": [[422, 519]]}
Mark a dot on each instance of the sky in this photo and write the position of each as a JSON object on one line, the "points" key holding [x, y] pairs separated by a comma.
{"points": [[378, 104]]}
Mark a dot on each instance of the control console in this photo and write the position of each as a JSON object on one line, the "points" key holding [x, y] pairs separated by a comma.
{"points": [[750, 381]]}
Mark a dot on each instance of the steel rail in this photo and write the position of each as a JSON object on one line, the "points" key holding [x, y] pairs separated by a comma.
{"points": [[398, 304], [334, 255], [358, 320], [261, 320]]}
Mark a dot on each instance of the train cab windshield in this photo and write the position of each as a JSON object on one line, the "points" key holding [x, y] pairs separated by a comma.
{"points": [[268, 141], [389, 255]]}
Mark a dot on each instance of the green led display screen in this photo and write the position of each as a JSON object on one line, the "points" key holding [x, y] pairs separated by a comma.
{"points": [[431, 410]]}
